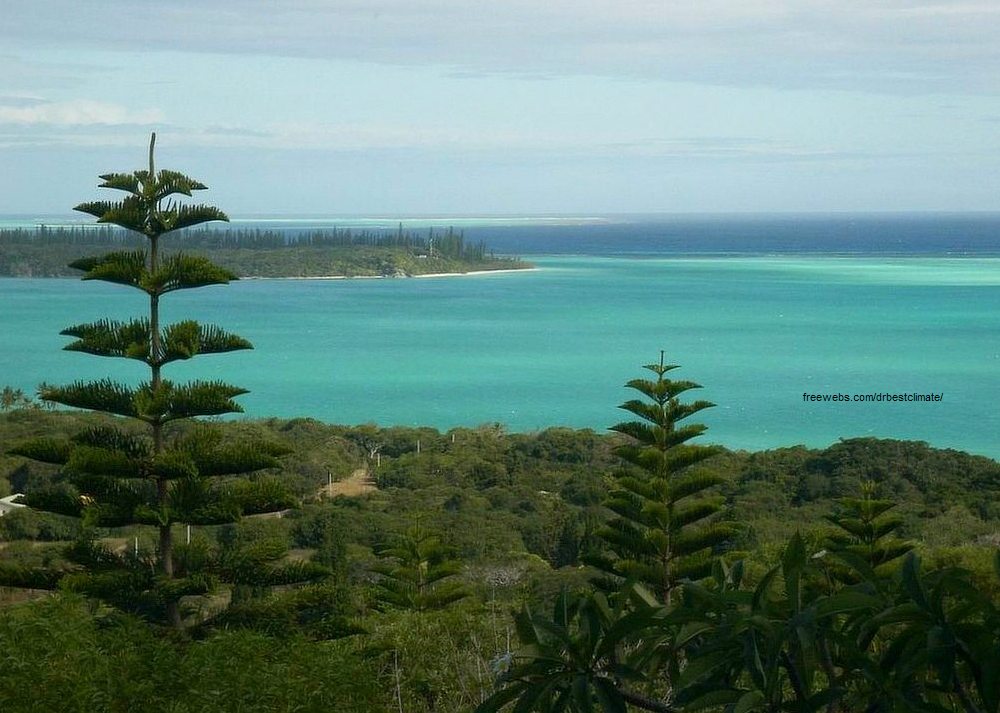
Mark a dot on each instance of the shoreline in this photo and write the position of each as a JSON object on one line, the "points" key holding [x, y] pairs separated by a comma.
{"points": [[730, 444], [476, 272]]}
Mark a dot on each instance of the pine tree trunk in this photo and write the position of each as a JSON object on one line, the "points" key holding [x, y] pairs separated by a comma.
{"points": [[166, 549], [166, 545]]}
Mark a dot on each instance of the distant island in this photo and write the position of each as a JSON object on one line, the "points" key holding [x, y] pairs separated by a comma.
{"points": [[256, 253]]}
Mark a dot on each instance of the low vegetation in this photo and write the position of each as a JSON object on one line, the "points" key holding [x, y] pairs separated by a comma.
{"points": [[517, 512]]}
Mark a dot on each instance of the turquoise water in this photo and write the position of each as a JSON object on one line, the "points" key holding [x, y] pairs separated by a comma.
{"points": [[554, 346]]}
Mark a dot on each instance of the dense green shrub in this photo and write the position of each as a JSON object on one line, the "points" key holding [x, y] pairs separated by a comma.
{"points": [[56, 655]]}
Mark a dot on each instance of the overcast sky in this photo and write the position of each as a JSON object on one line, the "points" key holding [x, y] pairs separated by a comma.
{"points": [[507, 106]]}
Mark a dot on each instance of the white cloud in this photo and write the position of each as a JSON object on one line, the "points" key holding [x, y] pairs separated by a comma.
{"points": [[75, 113]]}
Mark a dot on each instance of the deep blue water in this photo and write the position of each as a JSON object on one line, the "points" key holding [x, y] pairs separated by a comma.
{"points": [[932, 234], [637, 235]]}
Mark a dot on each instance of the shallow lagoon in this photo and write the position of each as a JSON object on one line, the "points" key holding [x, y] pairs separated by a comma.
{"points": [[553, 346]]}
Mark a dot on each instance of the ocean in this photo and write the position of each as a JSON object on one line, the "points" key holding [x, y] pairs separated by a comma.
{"points": [[762, 311]]}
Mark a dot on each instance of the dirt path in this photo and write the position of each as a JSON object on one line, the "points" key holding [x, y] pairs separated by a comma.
{"points": [[357, 483]]}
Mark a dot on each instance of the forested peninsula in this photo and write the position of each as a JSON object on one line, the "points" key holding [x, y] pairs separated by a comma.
{"points": [[255, 252]]}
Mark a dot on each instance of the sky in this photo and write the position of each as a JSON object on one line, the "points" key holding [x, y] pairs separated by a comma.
{"points": [[474, 107]]}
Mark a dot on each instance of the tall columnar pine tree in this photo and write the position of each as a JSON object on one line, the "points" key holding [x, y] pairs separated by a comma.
{"points": [[864, 543], [161, 474], [666, 524], [418, 573]]}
